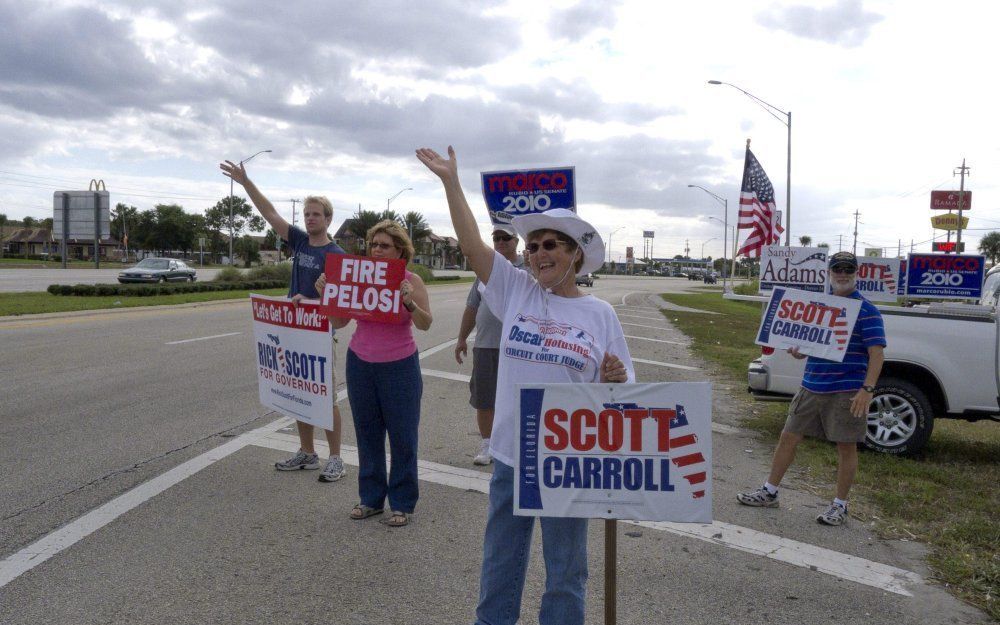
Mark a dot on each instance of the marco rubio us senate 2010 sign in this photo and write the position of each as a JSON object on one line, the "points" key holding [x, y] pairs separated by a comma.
{"points": [[294, 358], [525, 191], [615, 451], [819, 324], [945, 276]]}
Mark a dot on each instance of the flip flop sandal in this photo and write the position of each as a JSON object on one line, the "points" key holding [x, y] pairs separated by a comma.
{"points": [[397, 519], [361, 511]]}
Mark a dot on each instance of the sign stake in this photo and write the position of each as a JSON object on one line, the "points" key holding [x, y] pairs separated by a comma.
{"points": [[610, 571]]}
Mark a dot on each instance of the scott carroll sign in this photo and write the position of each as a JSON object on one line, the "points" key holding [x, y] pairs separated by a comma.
{"points": [[294, 359], [361, 287], [794, 267], [945, 276], [880, 279], [819, 324], [615, 451], [525, 191], [948, 200]]}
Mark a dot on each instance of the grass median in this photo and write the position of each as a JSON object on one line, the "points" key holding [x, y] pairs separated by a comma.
{"points": [[947, 498], [33, 303]]}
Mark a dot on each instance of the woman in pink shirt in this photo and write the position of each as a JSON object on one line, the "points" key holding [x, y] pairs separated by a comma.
{"points": [[384, 388]]}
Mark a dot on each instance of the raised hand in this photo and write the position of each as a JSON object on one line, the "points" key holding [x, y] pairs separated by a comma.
{"points": [[235, 171], [445, 169]]}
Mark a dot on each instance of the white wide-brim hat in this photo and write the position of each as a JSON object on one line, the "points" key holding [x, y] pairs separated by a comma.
{"points": [[569, 223]]}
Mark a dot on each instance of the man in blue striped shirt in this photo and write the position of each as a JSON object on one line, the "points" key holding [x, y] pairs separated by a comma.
{"points": [[833, 401]]}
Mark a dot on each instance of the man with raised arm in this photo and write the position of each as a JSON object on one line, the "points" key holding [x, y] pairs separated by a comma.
{"points": [[309, 250]]}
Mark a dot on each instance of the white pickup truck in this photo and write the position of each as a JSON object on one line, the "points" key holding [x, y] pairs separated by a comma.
{"points": [[941, 362]]}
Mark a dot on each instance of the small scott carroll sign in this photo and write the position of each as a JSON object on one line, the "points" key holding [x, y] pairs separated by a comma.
{"points": [[819, 324], [361, 287], [615, 451]]}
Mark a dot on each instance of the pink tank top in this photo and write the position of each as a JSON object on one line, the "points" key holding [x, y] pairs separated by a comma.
{"points": [[384, 342]]}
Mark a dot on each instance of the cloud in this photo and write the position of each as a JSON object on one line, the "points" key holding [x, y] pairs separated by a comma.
{"points": [[577, 21], [845, 23], [578, 101]]}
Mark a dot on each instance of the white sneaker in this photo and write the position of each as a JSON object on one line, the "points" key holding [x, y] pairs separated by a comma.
{"points": [[483, 458], [333, 471]]}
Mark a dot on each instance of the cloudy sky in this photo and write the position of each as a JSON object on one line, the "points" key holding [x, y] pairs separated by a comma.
{"points": [[887, 98]]}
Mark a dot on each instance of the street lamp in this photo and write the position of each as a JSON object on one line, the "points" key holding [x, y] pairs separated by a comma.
{"points": [[725, 229], [703, 247], [409, 227], [771, 109], [732, 270], [246, 160], [610, 234]]}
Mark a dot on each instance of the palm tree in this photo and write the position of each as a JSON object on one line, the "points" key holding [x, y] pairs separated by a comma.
{"points": [[989, 246], [805, 240], [360, 223], [390, 215], [3, 222], [824, 245], [417, 227]]}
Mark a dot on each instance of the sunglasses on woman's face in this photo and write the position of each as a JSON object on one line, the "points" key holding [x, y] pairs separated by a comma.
{"points": [[548, 245], [382, 246], [501, 237]]}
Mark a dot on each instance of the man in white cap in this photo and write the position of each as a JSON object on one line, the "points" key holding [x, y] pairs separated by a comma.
{"points": [[486, 352]]}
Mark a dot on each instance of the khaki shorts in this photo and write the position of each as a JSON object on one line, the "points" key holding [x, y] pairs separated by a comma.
{"points": [[825, 415]]}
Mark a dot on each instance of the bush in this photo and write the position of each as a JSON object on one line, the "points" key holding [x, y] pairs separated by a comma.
{"points": [[281, 272], [229, 274], [424, 272], [747, 288], [146, 290], [53, 289], [445, 278]]}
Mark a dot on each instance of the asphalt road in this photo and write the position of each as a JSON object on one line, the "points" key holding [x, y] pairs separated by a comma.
{"points": [[102, 410]]}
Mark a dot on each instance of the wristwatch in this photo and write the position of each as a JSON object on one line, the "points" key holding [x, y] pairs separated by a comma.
{"points": [[869, 389], [410, 307]]}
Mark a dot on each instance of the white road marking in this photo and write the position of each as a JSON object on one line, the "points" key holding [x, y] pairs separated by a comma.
{"points": [[639, 317], [203, 338], [437, 348], [665, 364], [793, 552], [639, 325], [447, 375], [644, 338]]}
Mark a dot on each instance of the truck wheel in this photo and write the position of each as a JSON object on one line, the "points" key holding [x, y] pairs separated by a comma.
{"points": [[900, 419]]}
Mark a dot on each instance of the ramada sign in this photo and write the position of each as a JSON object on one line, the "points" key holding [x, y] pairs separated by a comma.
{"points": [[948, 200]]}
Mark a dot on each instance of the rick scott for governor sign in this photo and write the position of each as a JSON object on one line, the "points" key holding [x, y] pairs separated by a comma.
{"points": [[615, 451]]}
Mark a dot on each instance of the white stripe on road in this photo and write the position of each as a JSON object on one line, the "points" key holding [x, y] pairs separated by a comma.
{"points": [[751, 541], [804, 555], [639, 325], [645, 338], [639, 316], [665, 364], [203, 338]]}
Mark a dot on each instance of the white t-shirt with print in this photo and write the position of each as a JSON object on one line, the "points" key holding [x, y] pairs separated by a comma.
{"points": [[546, 339]]}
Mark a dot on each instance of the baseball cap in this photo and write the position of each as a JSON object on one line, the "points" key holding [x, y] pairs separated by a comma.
{"points": [[505, 229], [843, 259]]}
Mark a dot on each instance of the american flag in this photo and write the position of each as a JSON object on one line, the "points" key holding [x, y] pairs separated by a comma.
{"points": [[757, 210]]}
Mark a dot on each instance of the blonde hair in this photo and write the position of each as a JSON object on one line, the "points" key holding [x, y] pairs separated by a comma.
{"points": [[394, 231], [322, 201]]}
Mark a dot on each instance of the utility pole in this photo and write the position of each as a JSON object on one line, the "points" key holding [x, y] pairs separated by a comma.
{"points": [[294, 202], [840, 242], [899, 249], [961, 204], [854, 249], [687, 248]]}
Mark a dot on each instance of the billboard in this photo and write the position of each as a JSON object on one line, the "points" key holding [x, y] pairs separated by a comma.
{"points": [[85, 208], [948, 200], [793, 267], [945, 276]]}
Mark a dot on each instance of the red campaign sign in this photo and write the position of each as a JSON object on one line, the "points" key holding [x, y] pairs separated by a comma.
{"points": [[948, 200], [361, 287]]}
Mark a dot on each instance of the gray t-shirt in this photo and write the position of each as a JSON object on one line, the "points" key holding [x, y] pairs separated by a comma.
{"points": [[488, 327]]}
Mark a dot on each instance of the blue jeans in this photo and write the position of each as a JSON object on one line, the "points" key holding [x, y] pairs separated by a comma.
{"points": [[385, 399], [506, 548]]}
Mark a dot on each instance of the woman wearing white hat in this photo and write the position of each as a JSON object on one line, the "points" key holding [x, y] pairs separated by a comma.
{"points": [[552, 333]]}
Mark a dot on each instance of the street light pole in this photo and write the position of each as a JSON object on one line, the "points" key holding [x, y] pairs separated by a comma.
{"points": [[725, 229], [703, 248], [610, 234], [771, 109], [246, 160], [409, 227]]}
